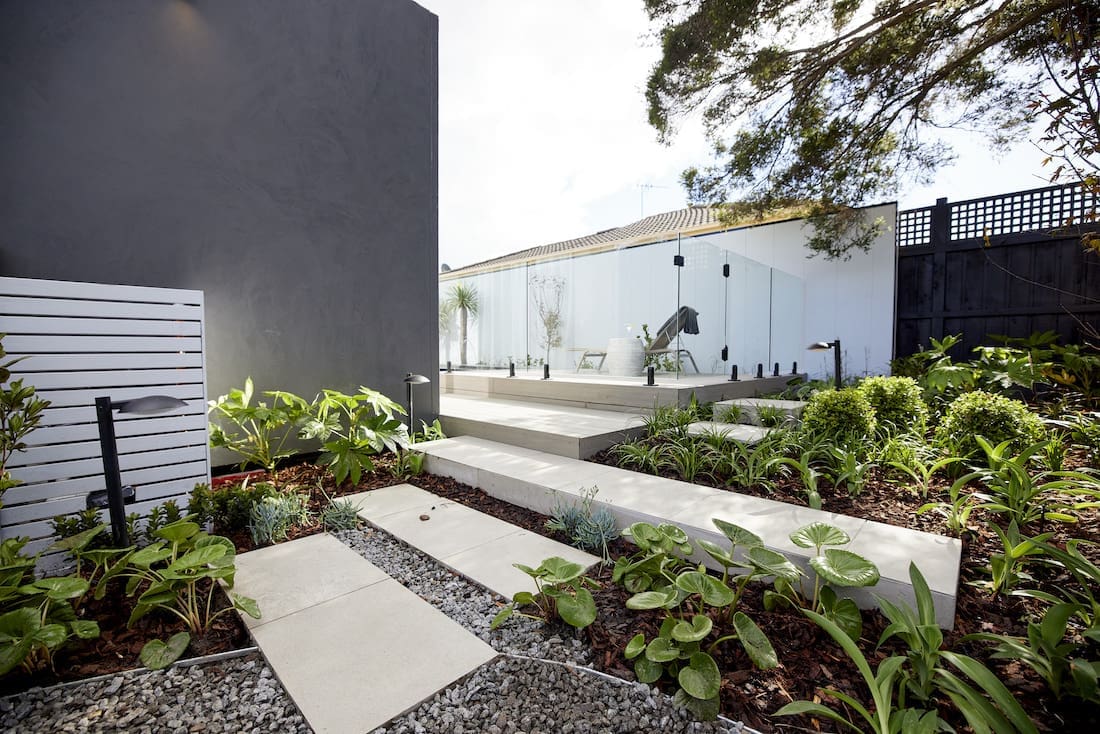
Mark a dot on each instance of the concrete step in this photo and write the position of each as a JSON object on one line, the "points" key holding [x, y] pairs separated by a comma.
{"points": [[541, 481], [557, 429], [741, 432], [755, 411]]}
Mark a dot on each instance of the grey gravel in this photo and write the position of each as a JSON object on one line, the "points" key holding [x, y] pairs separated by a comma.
{"points": [[534, 686], [235, 695], [510, 695]]}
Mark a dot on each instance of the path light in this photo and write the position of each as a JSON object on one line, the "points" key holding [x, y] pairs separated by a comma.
{"points": [[825, 346], [116, 502], [410, 380]]}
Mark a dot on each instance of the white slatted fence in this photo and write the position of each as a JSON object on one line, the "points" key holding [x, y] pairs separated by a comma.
{"points": [[86, 340]]}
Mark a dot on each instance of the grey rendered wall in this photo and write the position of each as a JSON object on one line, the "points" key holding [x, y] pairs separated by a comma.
{"points": [[279, 155]]}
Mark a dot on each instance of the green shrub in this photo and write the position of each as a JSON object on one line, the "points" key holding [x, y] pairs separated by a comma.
{"points": [[897, 403], [993, 417], [842, 415], [228, 508]]}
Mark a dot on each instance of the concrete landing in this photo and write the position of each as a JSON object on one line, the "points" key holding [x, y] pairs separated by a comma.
{"points": [[351, 646], [603, 392], [469, 542], [749, 410], [556, 429], [540, 481]]}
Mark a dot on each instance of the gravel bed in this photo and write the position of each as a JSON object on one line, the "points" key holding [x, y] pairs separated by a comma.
{"points": [[467, 603], [520, 692], [234, 695], [511, 695]]}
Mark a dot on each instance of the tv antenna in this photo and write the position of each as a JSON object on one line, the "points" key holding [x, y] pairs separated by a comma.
{"points": [[641, 196]]}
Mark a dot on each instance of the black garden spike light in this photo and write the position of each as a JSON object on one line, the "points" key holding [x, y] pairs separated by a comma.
{"points": [[410, 380], [105, 416], [825, 346]]}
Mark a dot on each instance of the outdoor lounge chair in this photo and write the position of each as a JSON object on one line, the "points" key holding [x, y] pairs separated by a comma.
{"points": [[686, 319]]}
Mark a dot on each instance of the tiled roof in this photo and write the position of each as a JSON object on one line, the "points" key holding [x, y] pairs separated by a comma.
{"points": [[668, 223]]}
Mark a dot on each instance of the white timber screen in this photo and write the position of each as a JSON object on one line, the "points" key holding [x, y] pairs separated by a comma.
{"points": [[85, 340]]}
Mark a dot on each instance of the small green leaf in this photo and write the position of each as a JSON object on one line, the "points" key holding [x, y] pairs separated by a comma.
{"points": [[817, 534], [651, 600], [693, 631], [773, 564], [701, 678], [703, 709], [560, 571], [844, 568], [578, 611], [755, 642], [635, 647], [662, 650], [178, 531], [845, 614], [523, 598], [501, 616], [85, 629], [737, 534], [247, 605], [156, 655], [647, 671], [77, 542], [62, 587]]}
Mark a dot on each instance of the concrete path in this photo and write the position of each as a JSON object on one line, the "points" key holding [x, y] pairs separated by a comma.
{"points": [[352, 647], [469, 542], [540, 481]]}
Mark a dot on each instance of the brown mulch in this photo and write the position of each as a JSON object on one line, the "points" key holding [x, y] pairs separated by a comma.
{"points": [[809, 660]]}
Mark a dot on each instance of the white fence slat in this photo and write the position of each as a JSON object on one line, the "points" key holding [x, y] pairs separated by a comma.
{"points": [[93, 467], [42, 510], [98, 291], [192, 471], [26, 306], [108, 327], [32, 530], [143, 426], [44, 381], [33, 344], [75, 398], [164, 491], [62, 416], [91, 449], [36, 363]]}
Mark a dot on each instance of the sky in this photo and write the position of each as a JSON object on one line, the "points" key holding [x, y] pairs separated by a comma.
{"points": [[543, 134]]}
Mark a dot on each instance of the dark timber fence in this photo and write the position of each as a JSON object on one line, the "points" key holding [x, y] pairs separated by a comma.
{"points": [[1010, 265]]}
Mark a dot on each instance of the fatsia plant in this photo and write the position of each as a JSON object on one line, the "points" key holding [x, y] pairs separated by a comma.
{"points": [[256, 431], [562, 591], [353, 428]]}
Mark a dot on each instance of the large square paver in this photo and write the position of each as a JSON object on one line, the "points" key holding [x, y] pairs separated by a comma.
{"points": [[389, 500], [450, 527], [491, 566], [355, 662], [290, 577]]}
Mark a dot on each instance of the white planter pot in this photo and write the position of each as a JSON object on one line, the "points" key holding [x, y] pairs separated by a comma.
{"points": [[625, 356]]}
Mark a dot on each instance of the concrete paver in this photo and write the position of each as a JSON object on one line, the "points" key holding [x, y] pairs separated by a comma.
{"points": [[479, 546], [351, 646], [354, 662]]}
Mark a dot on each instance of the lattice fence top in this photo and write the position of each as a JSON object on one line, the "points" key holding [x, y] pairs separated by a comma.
{"points": [[1024, 211], [914, 227]]}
